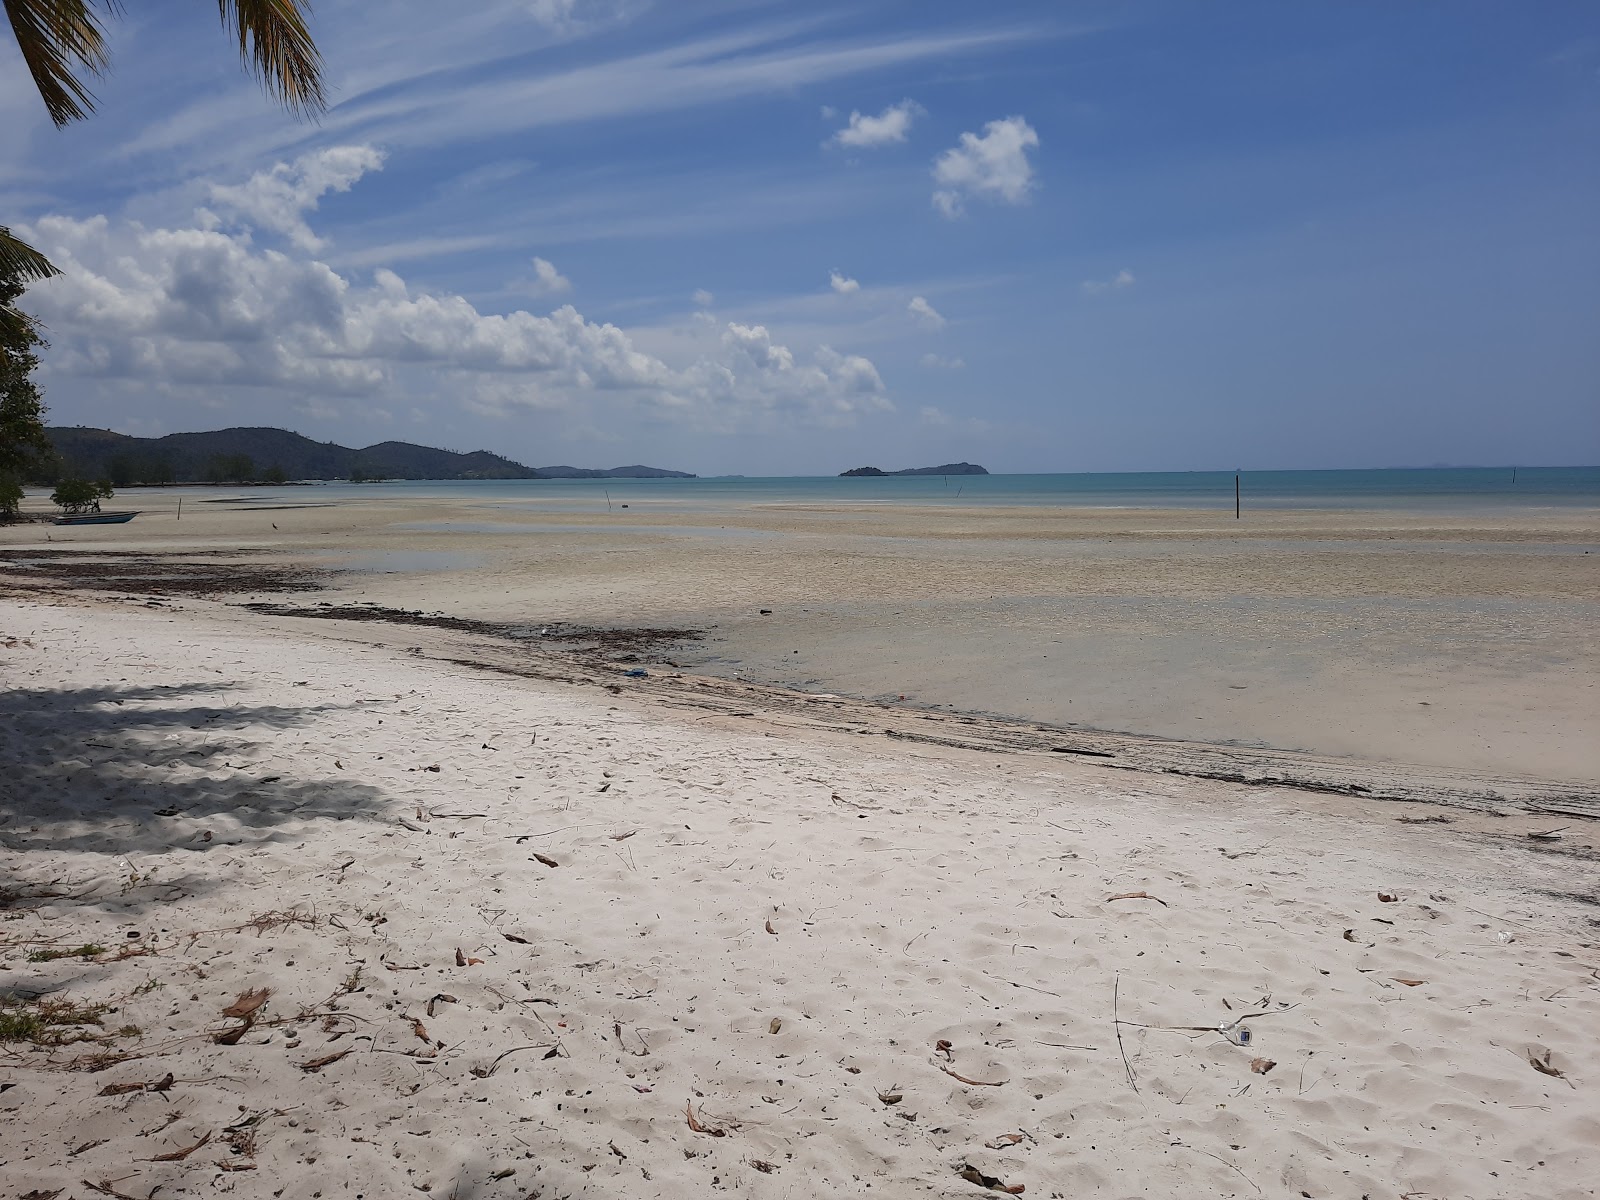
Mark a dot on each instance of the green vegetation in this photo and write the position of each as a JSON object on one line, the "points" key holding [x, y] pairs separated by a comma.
{"points": [[49, 1022], [230, 468], [87, 950], [23, 441], [80, 495]]}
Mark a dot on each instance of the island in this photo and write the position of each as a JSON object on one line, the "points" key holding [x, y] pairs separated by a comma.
{"points": [[960, 468]]}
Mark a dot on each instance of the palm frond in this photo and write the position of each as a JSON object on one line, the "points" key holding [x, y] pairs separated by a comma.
{"points": [[276, 44], [60, 41], [20, 260]]}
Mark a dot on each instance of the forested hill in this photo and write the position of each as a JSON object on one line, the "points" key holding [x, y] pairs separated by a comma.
{"points": [[274, 455]]}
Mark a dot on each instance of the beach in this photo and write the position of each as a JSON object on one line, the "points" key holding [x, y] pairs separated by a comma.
{"points": [[354, 857], [492, 936]]}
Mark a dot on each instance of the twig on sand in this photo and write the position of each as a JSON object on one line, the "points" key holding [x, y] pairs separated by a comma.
{"points": [[107, 1187], [1116, 1021], [485, 1072], [1224, 1162], [180, 1155], [973, 1082]]}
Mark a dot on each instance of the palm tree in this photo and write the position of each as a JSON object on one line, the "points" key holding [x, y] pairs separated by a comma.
{"points": [[62, 41]]}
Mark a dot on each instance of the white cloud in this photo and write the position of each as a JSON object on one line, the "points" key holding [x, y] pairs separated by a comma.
{"points": [[279, 199], [703, 298], [843, 285], [925, 312], [995, 166], [547, 281], [1122, 279], [202, 311], [939, 363], [891, 125]]}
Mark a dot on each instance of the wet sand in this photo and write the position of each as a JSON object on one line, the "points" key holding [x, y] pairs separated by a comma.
{"points": [[1467, 640]]}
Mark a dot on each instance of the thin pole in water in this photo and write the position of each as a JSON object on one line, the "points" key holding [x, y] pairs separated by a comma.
{"points": [[180, 508], [1236, 495], [1513, 477], [608, 498]]}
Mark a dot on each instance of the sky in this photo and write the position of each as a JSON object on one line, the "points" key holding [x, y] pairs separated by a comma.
{"points": [[764, 237]]}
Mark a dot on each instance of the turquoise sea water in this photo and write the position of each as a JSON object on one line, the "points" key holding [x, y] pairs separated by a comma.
{"points": [[1433, 489]]}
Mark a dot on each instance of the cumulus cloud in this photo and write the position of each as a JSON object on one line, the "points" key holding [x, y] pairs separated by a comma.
{"points": [[939, 363], [891, 125], [205, 309], [994, 166], [547, 281], [1122, 279], [841, 284], [280, 198], [925, 312]]}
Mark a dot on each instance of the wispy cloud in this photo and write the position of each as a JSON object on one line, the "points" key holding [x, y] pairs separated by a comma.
{"points": [[925, 312], [843, 285], [1122, 279]]}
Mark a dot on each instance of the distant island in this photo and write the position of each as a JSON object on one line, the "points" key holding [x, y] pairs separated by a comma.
{"points": [[960, 468], [265, 455]]}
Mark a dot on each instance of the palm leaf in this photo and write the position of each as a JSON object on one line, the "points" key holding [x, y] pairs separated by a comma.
{"points": [[277, 46], [21, 261], [60, 40]]}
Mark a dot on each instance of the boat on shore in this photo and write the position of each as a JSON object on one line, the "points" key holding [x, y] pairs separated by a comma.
{"points": [[98, 518]]}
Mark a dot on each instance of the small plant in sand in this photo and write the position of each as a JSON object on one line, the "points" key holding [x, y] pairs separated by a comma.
{"points": [[50, 1021], [51, 953]]}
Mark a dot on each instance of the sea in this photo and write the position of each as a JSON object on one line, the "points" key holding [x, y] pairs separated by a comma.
{"points": [[1436, 489]]}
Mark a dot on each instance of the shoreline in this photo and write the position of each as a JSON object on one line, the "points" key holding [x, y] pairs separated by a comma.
{"points": [[1471, 652]]}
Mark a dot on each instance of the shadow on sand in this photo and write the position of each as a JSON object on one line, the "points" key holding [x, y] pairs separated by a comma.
{"points": [[95, 783]]}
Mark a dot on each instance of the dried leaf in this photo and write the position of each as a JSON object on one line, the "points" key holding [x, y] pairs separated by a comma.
{"points": [[1138, 896], [1350, 936], [511, 937], [1387, 897], [973, 1082], [972, 1175], [120, 1089], [420, 1030], [1261, 1065], [777, 1024], [770, 929], [441, 998], [180, 1155], [764, 1167], [622, 837], [1408, 982], [247, 1003], [890, 1097], [1544, 1068], [546, 860], [697, 1126], [234, 1165], [316, 1064], [230, 1037], [1004, 1140]]}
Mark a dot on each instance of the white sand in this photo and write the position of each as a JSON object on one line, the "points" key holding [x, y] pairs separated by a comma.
{"points": [[790, 928]]}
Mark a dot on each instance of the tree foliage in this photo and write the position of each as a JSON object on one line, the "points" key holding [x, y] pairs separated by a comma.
{"points": [[63, 45], [80, 495], [23, 442]]}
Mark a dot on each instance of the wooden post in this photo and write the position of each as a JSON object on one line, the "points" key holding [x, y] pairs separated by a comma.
{"points": [[1236, 495], [180, 508]]}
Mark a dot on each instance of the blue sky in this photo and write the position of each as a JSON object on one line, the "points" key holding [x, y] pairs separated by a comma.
{"points": [[772, 238]]}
